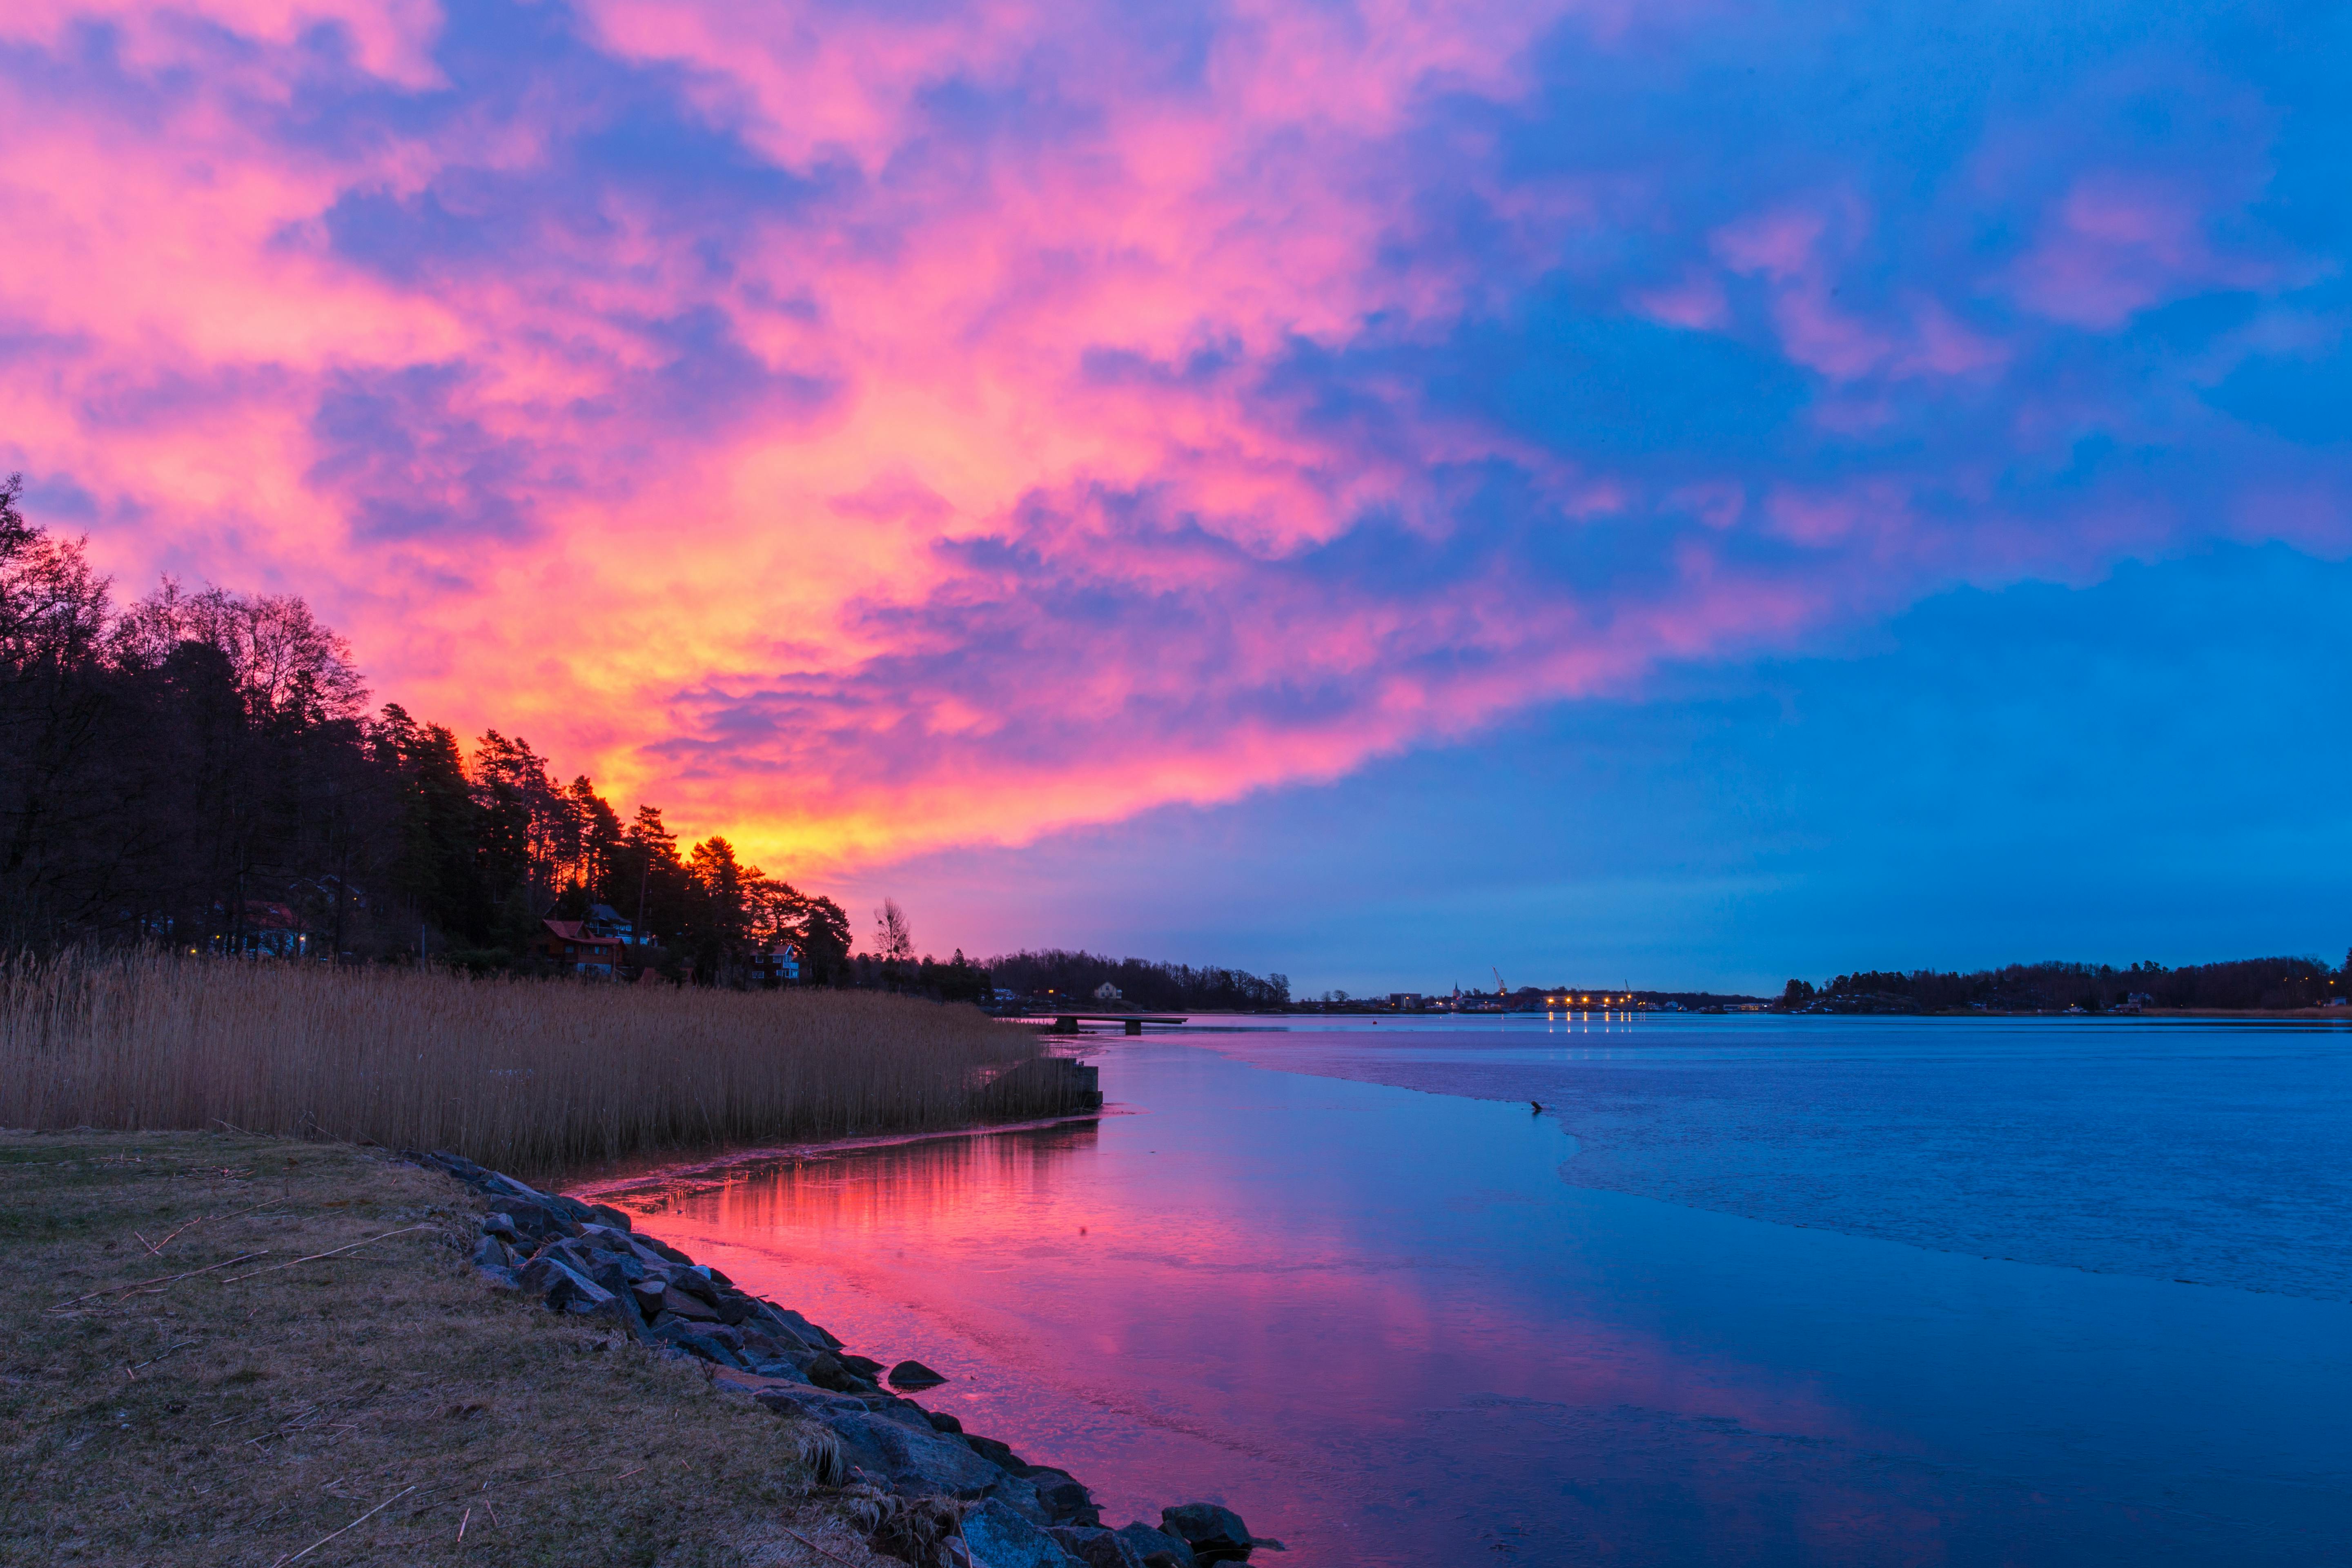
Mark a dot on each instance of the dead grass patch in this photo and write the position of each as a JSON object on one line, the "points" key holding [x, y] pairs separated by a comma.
{"points": [[375, 1403], [526, 1077]]}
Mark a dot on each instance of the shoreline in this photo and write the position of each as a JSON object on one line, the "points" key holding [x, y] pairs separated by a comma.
{"points": [[936, 1494], [694, 1169]]}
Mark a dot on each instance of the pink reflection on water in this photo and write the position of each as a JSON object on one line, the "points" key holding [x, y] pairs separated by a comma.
{"points": [[1154, 1322]]}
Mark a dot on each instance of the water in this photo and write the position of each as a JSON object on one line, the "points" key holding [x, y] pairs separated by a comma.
{"points": [[1752, 1291]]}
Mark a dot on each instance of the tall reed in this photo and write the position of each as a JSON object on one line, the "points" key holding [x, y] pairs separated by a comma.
{"points": [[525, 1076]]}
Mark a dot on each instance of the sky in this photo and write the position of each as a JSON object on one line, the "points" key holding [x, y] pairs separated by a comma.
{"points": [[1686, 493]]}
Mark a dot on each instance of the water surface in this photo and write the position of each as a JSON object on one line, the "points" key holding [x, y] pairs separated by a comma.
{"points": [[1747, 1293]]}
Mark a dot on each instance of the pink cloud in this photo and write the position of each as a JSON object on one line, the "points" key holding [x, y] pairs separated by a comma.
{"points": [[959, 404]]}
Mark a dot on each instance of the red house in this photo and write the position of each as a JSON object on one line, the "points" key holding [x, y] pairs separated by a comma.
{"points": [[563, 943]]}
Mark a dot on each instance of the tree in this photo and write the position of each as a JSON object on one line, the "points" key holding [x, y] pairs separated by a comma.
{"points": [[893, 943]]}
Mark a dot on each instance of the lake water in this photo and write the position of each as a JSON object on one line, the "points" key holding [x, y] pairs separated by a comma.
{"points": [[1751, 1290]]}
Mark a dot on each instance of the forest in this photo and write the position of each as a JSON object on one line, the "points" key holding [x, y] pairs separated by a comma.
{"points": [[1152, 986], [201, 769], [2268, 984]]}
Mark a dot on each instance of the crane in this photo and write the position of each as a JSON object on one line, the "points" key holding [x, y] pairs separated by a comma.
{"points": [[1500, 989]]}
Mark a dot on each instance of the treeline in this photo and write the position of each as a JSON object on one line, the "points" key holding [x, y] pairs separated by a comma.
{"points": [[1154, 986], [2255, 984], [201, 769]]}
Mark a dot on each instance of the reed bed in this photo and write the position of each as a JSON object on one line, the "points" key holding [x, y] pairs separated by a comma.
{"points": [[525, 1076]]}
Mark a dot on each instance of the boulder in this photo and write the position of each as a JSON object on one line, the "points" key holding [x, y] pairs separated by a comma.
{"points": [[695, 1283], [661, 1249], [914, 1374], [827, 1373], [734, 1308], [807, 1401], [996, 1453], [458, 1165], [604, 1238], [649, 1292], [502, 1225], [1060, 1495], [942, 1422], [864, 1366], [761, 1345], [705, 1342], [678, 1304], [1156, 1548], [538, 1222], [1215, 1534], [1095, 1546], [566, 1288], [499, 1277], [491, 1253], [913, 1463], [818, 1339], [1000, 1538], [608, 1215]]}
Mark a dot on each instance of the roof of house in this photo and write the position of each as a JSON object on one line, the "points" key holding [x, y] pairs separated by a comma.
{"points": [[570, 932]]}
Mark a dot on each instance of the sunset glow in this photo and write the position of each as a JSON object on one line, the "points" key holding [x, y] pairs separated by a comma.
{"points": [[862, 429]]}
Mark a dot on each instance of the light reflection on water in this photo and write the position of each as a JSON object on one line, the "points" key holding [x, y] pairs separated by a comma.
{"points": [[1379, 1324]]}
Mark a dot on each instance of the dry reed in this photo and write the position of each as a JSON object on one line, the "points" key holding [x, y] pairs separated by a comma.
{"points": [[526, 1076]]}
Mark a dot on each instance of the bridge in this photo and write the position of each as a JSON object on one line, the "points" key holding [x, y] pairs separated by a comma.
{"points": [[1067, 1023]]}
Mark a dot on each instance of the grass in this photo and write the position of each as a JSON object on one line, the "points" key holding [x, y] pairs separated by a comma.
{"points": [[365, 1408], [529, 1077]]}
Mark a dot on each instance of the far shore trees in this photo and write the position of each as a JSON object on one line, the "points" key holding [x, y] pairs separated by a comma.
{"points": [[200, 770]]}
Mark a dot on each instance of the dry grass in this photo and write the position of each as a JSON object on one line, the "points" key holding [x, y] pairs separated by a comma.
{"points": [[523, 1076], [212, 1419]]}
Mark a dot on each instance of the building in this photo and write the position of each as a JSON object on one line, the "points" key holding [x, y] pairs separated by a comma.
{"points": [[1105, 991], [778, 965], [566, 944], [604, 920]]}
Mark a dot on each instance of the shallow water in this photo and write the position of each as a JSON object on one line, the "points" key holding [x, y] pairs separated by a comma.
{"points": [[1743, 1295]]}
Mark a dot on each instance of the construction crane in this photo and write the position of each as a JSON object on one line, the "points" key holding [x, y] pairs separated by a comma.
{"points": [[1500, 989]]}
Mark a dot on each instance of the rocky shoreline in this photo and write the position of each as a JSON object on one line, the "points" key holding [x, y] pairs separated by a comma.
{"points": [[925, 1491]]}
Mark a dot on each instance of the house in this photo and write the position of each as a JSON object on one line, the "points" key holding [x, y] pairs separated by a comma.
{"points": [[777, 966], [273, 931], [1105, 991], [604, 920], [567, 945]]}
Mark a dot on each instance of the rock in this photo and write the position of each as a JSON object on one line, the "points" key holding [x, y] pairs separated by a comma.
{"points": [[1019, 1493], [1060, 1495], [1156, 1548], [498, 1278], [996, 1453], [715, 1277], [807, 1401], [763, 1346], [818, 1339], [458, 1165], [538, 1222], [604, 1238], [1215, 1534], [778, 1367], [866, 1367], [678, 1304], [566, 1288], [916, 1463], [662, 1249], [914, 1374], [491, 1253], [692, 1282], [608, 1215], [507, 1186], [942, 1422], [649, 1292], [734, 1308], [705, 1342], [1000, 1538], [1095, 1546], [827, 1373], [502, 1225]]}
